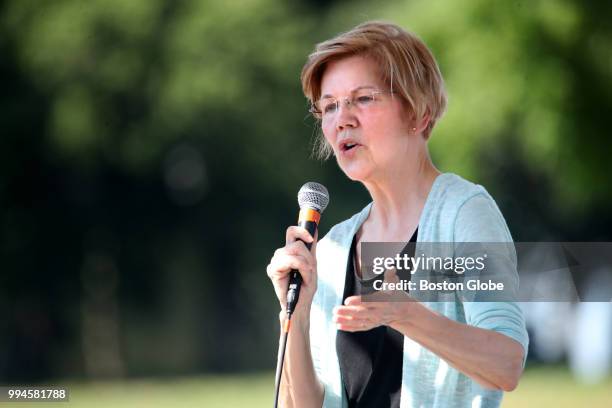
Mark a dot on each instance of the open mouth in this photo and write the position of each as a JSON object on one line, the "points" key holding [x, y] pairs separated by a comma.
{"points": [[348, 146]]}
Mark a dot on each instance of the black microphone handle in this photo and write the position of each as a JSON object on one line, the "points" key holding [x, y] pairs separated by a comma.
{"points": [[295, 279]]}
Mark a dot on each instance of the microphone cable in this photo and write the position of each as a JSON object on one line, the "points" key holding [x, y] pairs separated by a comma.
{"points": [[281, 358]]}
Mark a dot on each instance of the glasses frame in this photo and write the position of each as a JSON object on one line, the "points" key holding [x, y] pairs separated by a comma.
{"points": [[347, 100]]}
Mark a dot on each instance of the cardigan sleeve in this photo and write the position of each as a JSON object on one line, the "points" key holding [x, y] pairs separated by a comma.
{"points": [[480, 221]]}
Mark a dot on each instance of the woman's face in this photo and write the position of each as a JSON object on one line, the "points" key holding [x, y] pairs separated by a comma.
{"points": [[379, 130]]}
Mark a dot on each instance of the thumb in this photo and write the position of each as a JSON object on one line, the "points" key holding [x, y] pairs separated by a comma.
{"points": [[315, 241], [391, 276]]}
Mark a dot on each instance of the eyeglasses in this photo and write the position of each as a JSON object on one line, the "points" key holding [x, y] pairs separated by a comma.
{"points": [[362, 99]]}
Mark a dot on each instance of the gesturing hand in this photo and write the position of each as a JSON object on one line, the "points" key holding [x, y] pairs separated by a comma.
{"points": [[382, 308]]}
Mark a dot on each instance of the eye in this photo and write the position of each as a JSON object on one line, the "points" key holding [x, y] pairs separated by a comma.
{"points": [[329, 106], [365, 99]]}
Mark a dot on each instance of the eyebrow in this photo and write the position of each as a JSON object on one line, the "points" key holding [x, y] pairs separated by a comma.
{"points": [[352, 91]]}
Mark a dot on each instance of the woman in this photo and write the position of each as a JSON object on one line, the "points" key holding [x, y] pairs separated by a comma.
{"points": [[377, 92]]}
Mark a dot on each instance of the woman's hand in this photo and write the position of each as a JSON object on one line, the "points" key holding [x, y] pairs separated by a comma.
{"points": [[295, 255], [360, 315], [381, 308]]}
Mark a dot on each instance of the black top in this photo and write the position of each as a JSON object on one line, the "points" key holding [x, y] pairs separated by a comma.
{"points": [[370, 361]]}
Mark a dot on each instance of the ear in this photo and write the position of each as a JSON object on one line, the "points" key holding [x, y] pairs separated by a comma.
{"points": [[421, 124]]}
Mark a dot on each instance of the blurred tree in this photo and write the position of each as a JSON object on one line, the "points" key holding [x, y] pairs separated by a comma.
{"points": [[153, 133]]}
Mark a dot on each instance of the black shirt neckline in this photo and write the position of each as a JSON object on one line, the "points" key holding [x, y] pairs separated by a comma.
{"points": [[370, 361]]}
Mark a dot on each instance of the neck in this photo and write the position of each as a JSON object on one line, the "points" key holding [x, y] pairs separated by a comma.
{"points": [[399, 197]]}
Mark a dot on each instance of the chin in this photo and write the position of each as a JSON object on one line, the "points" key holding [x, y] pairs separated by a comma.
{"points": [[355, 173]]}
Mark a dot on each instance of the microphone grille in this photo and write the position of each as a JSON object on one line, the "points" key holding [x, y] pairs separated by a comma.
{"points": [[313, 195]]}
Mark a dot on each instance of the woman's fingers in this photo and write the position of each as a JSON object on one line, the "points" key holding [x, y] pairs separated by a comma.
{"points": [[354, 324], [294, 233], [357, 315], [354, 316], [298, 248], [294, 256], [282, 264], [353, 301]]}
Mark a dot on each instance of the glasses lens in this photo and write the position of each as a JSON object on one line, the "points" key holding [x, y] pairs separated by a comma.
{"points": [[364, 97], [327, 106]]}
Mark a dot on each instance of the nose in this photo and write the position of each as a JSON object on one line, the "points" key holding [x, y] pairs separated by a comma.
{"points": [[345, 117]]}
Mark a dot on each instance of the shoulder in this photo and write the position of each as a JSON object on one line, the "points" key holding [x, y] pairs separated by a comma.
{"points": [[453, 190], [478, 216], [467, 210]]}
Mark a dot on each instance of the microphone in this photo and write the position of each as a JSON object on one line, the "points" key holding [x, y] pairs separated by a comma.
{"points": [[313, 199]]}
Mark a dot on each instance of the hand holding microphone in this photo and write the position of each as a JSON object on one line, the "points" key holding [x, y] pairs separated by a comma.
{"points": [[292, 269]]}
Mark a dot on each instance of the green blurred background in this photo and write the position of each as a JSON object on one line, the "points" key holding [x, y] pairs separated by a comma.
{"points": [[151, 152]]}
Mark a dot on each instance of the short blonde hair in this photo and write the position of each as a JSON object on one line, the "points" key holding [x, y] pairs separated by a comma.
{"points": [[407, 67]]}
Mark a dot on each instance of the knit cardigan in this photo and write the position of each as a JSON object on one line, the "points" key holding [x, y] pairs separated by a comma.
{"points": [[456, 210]]}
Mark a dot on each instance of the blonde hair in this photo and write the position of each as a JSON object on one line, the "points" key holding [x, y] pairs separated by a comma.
{"points": [[407, 67]]}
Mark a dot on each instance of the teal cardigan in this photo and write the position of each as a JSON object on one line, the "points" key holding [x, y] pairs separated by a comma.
{"points": [[455, 211]]}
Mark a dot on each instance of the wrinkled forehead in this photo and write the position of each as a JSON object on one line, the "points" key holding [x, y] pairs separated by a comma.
{"points": [[349, 74]]}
